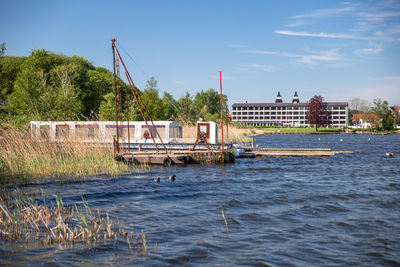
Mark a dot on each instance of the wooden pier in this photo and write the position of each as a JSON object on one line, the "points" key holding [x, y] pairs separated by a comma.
{"points": [[296, 151], [180, 158]]}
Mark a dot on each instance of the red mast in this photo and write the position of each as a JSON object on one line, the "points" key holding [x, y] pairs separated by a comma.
{"points": [[115, 93], [222, 121]]}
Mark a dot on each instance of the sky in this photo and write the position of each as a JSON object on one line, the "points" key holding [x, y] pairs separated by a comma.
{"points": [[336, 49]]}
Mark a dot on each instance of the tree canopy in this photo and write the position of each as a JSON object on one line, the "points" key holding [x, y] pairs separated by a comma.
{"points": [[384, 115], [49, 86], [2, 49], [318, 113]]}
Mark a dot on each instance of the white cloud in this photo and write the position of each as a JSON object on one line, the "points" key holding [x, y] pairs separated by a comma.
{"points": [[261, 52], [224, 77], [254, 68], [374, 21], [296, 24], [330, 55], [386, 88], [263, 68], [320, 34], [368, 51], [330, 12], [378, 16]]}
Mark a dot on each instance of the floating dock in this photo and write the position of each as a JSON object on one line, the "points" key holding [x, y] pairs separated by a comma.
{"points": [[180, 158], [184, 157]]}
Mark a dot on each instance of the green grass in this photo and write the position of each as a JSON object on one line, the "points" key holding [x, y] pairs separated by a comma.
{"points": [[300, 130]]}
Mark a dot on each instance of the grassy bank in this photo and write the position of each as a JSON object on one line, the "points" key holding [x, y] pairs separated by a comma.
{"points": [[26, 158], [303, 130]]}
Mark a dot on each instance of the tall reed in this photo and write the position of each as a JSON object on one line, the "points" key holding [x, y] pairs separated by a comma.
{"points": [[22, 155], [25, 222]]}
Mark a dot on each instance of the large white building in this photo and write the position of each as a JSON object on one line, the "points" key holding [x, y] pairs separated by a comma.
{"points": [[285, 114]]}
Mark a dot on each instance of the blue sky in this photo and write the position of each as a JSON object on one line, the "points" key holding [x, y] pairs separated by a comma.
{"points": [[332, 48]]}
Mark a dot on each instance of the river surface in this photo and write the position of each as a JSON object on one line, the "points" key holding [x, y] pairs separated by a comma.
{"points": [[281, 211]]}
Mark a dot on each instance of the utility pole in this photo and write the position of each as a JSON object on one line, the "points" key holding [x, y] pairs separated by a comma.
{"points": [[222, 120], [127, 119]]}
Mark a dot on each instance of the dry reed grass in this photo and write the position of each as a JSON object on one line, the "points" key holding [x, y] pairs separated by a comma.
{"points": [[22, 155], [23, 221], [232, 134]]}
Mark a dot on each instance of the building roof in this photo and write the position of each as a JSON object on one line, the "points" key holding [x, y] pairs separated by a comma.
{"points": [[278, 98], [370, 117], [284, 104], [395, 108], [295, 98]]}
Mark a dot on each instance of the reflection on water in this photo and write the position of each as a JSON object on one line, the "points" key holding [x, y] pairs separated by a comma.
{"points": [[341, 210]]}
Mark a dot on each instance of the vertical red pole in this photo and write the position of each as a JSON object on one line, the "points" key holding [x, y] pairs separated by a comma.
{"points": [[115, 94], [127, 118], [222, 120], [227, 122]]}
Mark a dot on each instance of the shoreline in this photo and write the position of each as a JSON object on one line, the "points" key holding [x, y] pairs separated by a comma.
{"points": [[372, 133]]}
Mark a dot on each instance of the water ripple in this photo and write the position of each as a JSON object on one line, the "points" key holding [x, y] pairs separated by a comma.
{"points": [[281, 211]]}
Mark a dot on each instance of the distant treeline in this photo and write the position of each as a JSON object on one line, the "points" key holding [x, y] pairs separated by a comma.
{"points": [[50, 86]]}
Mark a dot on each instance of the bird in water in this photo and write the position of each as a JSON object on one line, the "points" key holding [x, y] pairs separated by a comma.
{"points": [[157, 180], [172, 178]]}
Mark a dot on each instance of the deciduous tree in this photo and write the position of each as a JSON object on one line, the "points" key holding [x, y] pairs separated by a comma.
{"points": [[385, 120], [2, 49], [318, 113]]}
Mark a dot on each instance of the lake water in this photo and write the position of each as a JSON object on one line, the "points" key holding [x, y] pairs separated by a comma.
{"points": [[281, 211]]}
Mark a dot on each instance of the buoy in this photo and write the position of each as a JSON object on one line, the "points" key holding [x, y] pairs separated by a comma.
{"points": [[157, 180], [319, 139], [389, 154], [341, 140], [172, 178], [369, 138]]}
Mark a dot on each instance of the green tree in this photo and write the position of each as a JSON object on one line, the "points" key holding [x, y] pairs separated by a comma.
{"points": [[208, 104], [9, 68], [169, 107], [107, 108], [385, 119], [101, 84], [2, 49], [153, 103], [357, 105], [46, 87], [186, 109]]}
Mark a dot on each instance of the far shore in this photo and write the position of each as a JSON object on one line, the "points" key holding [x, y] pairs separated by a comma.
{"points": [[236, 132]]}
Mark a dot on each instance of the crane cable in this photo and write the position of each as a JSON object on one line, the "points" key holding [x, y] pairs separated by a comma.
{"points": [[140, 68], [141, 104]]}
